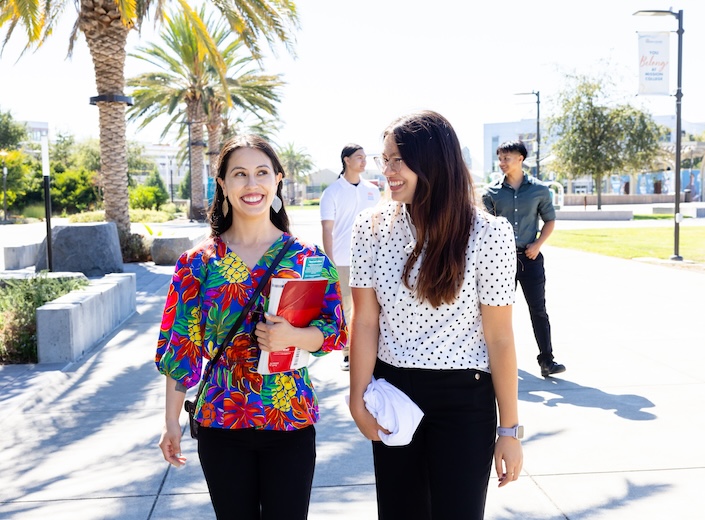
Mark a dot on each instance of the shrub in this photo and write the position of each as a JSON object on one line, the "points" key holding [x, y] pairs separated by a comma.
{"points": [[136, 247], [19, 300], [144, 197]]}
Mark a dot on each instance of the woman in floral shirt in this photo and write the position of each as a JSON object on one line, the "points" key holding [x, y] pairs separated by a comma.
{"points": [[251, 424]]}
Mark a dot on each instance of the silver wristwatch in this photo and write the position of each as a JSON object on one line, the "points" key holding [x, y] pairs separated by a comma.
{"points": [[515, 431]]}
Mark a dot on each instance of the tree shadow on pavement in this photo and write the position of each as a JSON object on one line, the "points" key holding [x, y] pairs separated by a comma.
{"points": [[627, 406], [633, 492]]}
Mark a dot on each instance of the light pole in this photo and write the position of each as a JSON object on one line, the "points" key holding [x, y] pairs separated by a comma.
{"points": [[679, 96], [3, 153], [538, 126]]}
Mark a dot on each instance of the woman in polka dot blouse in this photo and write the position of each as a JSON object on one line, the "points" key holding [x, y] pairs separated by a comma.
{"points": [[432, 280]]}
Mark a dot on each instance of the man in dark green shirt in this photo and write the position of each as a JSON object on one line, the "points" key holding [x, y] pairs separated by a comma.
{"points": [[523, 200]]}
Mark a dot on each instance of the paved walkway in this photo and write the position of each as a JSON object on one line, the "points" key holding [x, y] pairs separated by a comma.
{"points": [[617, 436]]}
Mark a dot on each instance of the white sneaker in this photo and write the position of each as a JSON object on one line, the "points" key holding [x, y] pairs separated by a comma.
{"points": [[345, 365]]}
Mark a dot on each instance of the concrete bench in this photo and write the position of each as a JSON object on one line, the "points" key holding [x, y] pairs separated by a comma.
{"points": [[687, 210], [73, 324], [18, 256], [603, 214], [166, 250]]}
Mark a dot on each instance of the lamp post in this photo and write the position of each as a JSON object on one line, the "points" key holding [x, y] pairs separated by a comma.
{"points": [[3, 153], [679, 96], [538, 126]]}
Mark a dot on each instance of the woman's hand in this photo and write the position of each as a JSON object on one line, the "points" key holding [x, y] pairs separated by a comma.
{"points": [[275, 334], [508, 459], [366, 422], [170, 444]]}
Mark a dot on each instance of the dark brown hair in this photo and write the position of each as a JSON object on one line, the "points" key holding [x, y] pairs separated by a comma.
{"points": [[442, 207], [221, 223]]}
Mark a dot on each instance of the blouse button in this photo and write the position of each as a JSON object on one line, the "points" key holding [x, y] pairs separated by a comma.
{"points": [[477, 376]]}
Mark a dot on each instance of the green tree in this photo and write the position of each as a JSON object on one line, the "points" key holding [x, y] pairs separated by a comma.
{"points": [[12, 133], [138, 164], [63, 149], [188, 88], [106, 25], [87, 155], [154, 180], [296, 163], [74, 191], [596, 139]]}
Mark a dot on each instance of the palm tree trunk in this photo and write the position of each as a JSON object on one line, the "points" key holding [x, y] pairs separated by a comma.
{"points": [[106, 37], [196, 116], [214, 133]]}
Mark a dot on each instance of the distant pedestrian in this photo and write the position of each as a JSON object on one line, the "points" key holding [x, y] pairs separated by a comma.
{"points": [[432, 280], [523, 201], [256, 441], [341, 202]]}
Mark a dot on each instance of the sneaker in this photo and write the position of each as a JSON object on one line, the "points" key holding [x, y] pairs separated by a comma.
{"points": [[551, 368], [345, 365]]}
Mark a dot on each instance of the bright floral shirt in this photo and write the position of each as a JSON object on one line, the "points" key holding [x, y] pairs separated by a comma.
{"points": [[210, 287]]}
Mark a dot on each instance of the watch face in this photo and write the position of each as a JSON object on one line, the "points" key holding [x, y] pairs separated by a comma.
{"points": [[520, 432]]}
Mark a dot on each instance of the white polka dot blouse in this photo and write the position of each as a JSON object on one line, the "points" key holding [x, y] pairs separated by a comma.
{"points": [[414, 334]]}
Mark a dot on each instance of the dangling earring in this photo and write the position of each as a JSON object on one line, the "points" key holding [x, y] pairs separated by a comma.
{"points": [[225, 207], [277, 204]]}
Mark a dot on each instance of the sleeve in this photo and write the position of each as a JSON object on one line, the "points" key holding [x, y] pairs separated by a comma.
{"points": [[489, 203], [331, 322], [180, 344], [327, 205], [546, 209], [496, 264], [362, 251]]}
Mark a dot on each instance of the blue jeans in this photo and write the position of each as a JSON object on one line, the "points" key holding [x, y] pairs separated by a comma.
{"points": [[532, 277]]}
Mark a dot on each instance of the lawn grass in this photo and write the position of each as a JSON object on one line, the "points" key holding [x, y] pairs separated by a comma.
{"points": [[634, 242]]}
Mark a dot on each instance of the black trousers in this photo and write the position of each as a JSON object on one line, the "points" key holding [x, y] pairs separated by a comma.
{"points": [[444, 472], [532, 277], [258, 474]]}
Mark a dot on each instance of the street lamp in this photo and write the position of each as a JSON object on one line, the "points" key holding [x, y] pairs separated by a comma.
{"points": [[538, 126], [679, 96], [3, 153]]}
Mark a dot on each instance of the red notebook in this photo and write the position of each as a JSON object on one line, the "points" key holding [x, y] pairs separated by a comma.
{"points": [[299, 301]]}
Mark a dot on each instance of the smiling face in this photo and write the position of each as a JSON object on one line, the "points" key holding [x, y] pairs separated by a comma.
{"points": [[356, 162], [402, 184], [250, 183], [510, 163]]}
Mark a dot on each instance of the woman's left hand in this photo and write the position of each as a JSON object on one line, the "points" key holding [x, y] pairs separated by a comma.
{"points": [[275, 334], [508, 459]]}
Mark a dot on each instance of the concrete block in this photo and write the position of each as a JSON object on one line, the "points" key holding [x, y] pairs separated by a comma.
{"points": [[70, 326], [18, 257], [603, 214], [167, 250], [92, 249]]}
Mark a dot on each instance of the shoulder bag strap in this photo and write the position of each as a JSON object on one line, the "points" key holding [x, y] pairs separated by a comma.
{"points": [[245, 311]]}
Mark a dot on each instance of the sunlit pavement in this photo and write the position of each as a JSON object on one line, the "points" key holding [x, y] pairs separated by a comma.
{"points": [[608, 439]]}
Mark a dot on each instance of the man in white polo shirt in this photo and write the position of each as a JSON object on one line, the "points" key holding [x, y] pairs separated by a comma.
{"points": [[341, 202]]}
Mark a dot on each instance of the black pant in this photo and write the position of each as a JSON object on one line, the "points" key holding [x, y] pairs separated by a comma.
{"points": [[445, 470], [532, 277], [258, 474]]}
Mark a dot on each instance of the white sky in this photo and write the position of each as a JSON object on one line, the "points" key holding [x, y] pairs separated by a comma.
{"points": [[362, 63]]}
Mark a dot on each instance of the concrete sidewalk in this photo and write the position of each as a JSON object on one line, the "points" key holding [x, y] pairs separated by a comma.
{"points": [[609, 439]]}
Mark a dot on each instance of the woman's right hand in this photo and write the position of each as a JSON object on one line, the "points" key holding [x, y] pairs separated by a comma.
{"points": [[170, 443], [365, 421]]}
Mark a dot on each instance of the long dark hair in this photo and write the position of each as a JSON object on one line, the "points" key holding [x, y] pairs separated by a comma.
{"points": [[348, 150], [442, 207], [221, 223]]}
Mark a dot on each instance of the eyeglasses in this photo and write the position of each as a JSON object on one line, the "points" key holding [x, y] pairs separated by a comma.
{"points": [[393, 163]]}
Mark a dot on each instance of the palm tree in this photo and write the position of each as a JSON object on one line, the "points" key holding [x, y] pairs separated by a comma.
{"points": [[189, 85], [106, 24], [297, 164]]}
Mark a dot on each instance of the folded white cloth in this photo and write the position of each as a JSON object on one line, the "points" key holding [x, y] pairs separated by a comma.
{"points": [[394, 411]]}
